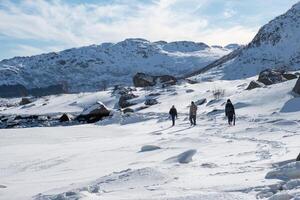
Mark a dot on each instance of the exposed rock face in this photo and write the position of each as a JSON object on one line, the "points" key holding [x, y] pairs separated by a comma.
{"points": [[25, 101], [64, 118], [150, 102], [297, 87], [128, 110], [289, 76], [254, 84], [146, 80], [200, 102], [124, 100], [271, 76], [94, 113], [298, 158]]}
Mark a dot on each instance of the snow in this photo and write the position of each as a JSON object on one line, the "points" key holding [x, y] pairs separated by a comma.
{"points": [[95, 67], [104, 160]]}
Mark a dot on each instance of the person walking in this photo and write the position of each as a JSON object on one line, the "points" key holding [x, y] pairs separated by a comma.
{"points": [[173, 114], [230, 112], [193, 113]]}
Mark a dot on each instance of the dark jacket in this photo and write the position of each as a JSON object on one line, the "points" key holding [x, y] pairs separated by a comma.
{"points": [[229, 109], [173, 112]]}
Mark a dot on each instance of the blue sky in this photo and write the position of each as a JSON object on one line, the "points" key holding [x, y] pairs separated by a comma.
{"points": [[29, 27]]}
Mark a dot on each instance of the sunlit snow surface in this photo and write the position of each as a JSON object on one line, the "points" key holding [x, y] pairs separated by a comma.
{"points": [[105, 161]]}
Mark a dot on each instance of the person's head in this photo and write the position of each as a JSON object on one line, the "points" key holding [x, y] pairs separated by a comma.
{"points": [[192, 103], [228, 101], [173, 106]]}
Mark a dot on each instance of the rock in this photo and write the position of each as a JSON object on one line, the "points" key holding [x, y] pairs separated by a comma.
{"points": [[254, 84], [166, 80], [64, 118], [149, 148], [281, 196], [298, 158], [191, 81], [141, 108], [189, 91], [123, 100], [146, 80], [128, 110], [184, 158], [94, 113], [200, 102], [24, 101], [150, 102], [296, 89], [143, 80], [154, 94], [289, 76], [271, 76]]}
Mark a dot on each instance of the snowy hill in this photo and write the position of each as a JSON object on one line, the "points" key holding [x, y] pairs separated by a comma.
{"points": [[140, 156], [94, 67], [276, 45]]}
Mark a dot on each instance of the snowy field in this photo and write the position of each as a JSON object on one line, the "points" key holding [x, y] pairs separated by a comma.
{"points": [[110, 160]]}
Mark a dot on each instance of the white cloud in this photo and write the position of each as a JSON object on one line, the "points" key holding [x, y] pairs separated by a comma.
{"points": [[83, 24]]}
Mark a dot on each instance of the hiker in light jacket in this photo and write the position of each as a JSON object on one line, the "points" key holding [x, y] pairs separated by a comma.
{"points": [[193, 113]]}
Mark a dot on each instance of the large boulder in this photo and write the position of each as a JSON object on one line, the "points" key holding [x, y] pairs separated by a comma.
{"points": [[297, 87], [254, 84], [271, 76], [94, 113], [150, 102], [143, 80], [200, 101], [298, 158], [124, 100], [24, 101], [146, 80]]}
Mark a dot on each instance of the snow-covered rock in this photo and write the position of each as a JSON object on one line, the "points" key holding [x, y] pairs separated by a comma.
{"points": [[286, 172]]}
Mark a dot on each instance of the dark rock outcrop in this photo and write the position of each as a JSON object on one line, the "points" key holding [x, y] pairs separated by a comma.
{"points": [[24, 101], [128, 110], [64, 118], [298, 158], [200, 102], [124, 100], [254, 84], [289, 76], [271, 76], [146, 80], [296, 89], [150, 102], [94, 113]]}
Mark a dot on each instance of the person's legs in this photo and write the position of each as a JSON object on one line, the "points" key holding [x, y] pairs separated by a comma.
{"points": [[230, 119], [173, 120], [191, 119], [194, 117]]}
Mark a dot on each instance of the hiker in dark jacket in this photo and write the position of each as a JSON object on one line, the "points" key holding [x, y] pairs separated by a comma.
{"points": [[173, 114], [229, 111]]}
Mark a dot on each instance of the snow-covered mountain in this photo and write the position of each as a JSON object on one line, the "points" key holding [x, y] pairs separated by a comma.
{"points": [[276, 45], [91, 68]]}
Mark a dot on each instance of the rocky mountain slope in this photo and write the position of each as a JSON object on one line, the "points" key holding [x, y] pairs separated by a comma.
{"points": [[276, 45], [94, 67]]}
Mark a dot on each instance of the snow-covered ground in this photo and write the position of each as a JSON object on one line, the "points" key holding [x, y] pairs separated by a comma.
{"points": [[107, 160]]}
